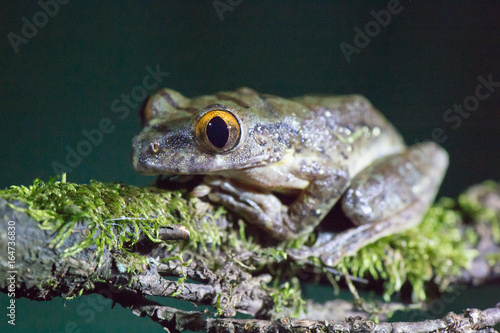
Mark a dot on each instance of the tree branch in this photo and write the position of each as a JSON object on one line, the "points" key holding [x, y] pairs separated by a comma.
{"points": [[470, 320], [153, 243]]}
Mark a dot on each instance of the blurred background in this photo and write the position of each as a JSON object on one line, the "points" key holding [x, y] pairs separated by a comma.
{"points": [[69, 71]]}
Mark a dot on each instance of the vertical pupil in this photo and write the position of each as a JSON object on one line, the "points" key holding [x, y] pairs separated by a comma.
{"points": [[217, 132]]}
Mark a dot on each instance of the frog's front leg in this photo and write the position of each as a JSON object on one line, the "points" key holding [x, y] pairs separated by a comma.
{"points": [[320, 186], [389, 196], [264, 210], [326, 184]]}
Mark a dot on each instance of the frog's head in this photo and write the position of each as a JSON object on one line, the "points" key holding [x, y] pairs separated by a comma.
{"points": [[208, 134]]}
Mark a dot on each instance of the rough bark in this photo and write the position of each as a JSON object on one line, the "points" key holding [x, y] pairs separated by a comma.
{"points": [[471, 320]]}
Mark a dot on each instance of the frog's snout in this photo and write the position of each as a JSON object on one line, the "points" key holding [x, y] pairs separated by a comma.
{"points": [[166, 154], [144, 155]]}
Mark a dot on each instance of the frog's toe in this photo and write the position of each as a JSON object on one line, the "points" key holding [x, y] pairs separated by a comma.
{"points": [[261, 209], [248, 201], [230, 189], [247, 198], [247, 209], [228, 201]]}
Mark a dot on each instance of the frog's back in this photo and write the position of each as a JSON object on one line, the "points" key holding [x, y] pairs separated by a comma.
{"points": [[354, 131], [350, 112]]}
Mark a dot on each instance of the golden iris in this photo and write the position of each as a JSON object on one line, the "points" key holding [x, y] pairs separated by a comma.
{"points": [[218, 131]]}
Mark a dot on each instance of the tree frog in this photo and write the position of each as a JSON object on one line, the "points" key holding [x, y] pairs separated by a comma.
{"points": [[282, 164]]}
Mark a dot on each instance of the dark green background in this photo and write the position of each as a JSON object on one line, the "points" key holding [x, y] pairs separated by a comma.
{"points": [[65, 79]]}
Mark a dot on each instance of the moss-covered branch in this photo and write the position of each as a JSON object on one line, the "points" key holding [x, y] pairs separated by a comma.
{"points": [[126, 242]]}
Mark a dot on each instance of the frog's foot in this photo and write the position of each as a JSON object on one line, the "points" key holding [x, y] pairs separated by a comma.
{"points": [[388, 197], [261, 209], [349, 242]]}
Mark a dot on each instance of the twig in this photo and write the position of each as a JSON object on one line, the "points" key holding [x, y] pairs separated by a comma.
{"points": [[471, 320]]}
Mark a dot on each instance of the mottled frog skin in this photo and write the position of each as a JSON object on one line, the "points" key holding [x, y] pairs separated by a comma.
{"points": [[257, 149]]}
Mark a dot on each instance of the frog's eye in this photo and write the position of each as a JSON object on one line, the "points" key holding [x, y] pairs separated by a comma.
{"points": [[218, 131]]}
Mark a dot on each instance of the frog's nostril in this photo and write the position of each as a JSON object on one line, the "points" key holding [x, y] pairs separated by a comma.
{"points": [[154, 147]]}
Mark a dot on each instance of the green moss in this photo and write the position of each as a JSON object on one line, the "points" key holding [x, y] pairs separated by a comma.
{"points": [[434, 250], [287, 296], [117, 215]]}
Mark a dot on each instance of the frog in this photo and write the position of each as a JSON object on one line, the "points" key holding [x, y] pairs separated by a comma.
{"points": [[281, 164]]}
